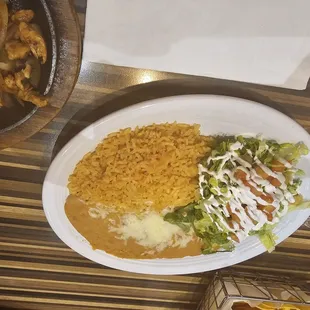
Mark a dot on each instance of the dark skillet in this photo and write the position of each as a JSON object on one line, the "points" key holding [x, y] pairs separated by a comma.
{"points": [[15, 115]]}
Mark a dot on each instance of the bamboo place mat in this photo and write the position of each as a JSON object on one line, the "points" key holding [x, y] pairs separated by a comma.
{"points": [[38, 271]]}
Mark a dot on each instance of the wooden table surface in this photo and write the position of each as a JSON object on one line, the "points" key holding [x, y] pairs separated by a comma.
{"points": [[38, 271]]}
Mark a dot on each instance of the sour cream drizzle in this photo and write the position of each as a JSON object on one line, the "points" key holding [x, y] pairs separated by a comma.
{"points": [[239, 198]]}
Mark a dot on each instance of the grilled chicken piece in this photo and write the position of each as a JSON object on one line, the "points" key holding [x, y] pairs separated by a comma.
{"points": [[6, 100], [4, 18], [23, 16], [10, 83], [22, 75], [32, 96], [27, 71], [12, 33], [2, 84], [21, 89], [16, 50], [35, 41], [19, 77]]}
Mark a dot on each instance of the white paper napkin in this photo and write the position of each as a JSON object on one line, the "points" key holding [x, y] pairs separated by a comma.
{"points": [[258, 41]]}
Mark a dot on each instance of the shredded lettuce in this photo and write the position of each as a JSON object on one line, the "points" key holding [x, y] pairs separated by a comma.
{"points": [[266, 237], [292, 188], [292, 152], [266, 234], [194, 217], [302, 206], [267, 150], [184, 216]]}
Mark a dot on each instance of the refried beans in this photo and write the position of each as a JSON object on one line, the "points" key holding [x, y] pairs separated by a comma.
{"points": [[98, 233]]}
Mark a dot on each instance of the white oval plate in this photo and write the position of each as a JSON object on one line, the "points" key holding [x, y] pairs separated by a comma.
{"points": [[215, 114]]}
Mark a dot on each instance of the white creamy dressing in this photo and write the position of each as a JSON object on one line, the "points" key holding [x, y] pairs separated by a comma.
{"points": [[239, 195]]}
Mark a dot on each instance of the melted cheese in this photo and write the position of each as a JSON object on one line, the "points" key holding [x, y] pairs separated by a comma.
{"points": [[97, 213], [151, 231], [100, 211]]}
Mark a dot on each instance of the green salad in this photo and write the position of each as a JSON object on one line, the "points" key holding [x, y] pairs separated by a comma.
{"points": [[246, 185]]}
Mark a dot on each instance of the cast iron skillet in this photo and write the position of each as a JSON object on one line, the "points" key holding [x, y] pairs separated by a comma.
{"points": [[14, 116]]}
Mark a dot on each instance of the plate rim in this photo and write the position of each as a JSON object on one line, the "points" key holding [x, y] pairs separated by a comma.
{"points": [[134, 264]]}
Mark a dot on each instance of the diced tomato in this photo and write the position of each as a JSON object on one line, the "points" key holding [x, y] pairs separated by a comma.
{"points": [[248, 214], [234, 237], [269, 208], [254, 191], [235, 218], [274, 181], [230, 223], [261, 172], [277, 166], [269, 216], [240, 175], [228, 208], [260, 207], [267, 198]]}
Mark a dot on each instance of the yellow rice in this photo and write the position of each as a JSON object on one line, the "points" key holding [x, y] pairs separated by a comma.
{"points": [[132, 170]]}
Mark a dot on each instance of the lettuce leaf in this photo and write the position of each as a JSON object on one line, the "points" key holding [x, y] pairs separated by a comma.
{"points": [[302, 206], [194, 217], [266, 237], [292, 152], [184, 216]]}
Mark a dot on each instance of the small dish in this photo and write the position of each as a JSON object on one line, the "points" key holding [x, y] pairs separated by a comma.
{"points": [[17, 114], [61, 31]]}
